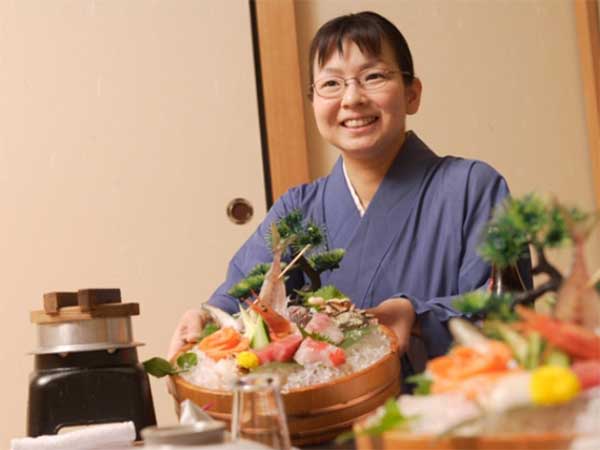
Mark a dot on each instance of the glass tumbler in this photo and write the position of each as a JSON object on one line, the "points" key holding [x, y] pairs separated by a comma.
{"points": [[258, 414]]}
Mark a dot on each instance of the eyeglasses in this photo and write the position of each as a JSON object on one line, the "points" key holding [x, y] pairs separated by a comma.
{"points": [[369, 80]]}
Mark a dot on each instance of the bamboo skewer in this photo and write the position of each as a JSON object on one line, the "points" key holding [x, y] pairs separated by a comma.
{"points": [[293, 261]]}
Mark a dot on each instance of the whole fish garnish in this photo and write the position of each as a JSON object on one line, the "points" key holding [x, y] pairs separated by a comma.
{"points": [[223, 319]]}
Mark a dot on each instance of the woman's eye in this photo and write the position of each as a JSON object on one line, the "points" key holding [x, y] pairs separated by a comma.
{"points": [[374, 76], [331, 83]]}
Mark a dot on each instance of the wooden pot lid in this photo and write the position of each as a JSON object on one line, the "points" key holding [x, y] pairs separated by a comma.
{"points": [[85, 304]]}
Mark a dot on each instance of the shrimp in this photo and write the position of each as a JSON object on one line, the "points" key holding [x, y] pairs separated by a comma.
{"points": [[570, 337], [578, 301], [279, 326]]}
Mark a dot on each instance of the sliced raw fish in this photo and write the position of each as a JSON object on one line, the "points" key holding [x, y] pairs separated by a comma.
{"points": [[312, 352], [280, 351], [325, 326], [272, 291]]}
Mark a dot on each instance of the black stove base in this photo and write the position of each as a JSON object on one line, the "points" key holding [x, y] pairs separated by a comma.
{"points": [[88, 388]]}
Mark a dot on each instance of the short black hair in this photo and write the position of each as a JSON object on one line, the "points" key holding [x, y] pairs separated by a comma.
{"points": [[367, 30]]}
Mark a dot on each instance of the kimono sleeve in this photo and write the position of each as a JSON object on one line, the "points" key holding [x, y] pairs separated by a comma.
{"points": [[483, 191]]}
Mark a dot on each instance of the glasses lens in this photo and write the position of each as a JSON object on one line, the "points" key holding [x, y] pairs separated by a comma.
{"points": [[329, 87], [373, 79]]}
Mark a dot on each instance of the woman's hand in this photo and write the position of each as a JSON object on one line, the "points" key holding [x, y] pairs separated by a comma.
{"points": [[188, 329], [397, 314]]}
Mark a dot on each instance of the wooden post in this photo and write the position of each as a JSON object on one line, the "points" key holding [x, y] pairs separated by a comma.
{"points": [[588, 36], [282, 93]]}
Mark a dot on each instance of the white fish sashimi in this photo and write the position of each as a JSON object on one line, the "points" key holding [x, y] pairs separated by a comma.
{"points": [[325, 326], [438, 413]]}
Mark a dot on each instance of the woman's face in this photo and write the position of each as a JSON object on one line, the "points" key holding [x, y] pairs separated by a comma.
{"points": [[364, 124]]}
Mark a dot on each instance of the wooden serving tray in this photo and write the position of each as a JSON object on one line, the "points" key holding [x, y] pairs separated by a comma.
{"points": [[321, 412], [397, 440]]}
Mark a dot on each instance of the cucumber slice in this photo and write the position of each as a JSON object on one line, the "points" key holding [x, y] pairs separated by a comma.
{"points": [[260, 338]]}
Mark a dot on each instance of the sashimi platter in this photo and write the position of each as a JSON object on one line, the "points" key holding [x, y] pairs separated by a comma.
{"points": [[524, 372], [334, 362]]}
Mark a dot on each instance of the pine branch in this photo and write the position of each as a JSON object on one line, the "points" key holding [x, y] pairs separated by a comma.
{"points": [[528, 297], [313, 276], [544, 266]]}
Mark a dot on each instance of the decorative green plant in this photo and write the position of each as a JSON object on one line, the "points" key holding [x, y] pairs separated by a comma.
{"points": [[302, 240], [518, 225], [531, 222]]}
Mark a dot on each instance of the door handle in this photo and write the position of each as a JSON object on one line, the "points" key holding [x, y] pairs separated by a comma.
{"points": [[240, 211]]}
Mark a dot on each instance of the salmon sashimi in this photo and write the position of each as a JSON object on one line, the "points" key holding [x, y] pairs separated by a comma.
{"points": [[576, 340], [279, 327], [464, 362], [223, 343], [472, 387]]}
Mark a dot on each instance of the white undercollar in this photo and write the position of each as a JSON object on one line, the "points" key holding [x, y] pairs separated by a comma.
{"points": [[357, 202]]}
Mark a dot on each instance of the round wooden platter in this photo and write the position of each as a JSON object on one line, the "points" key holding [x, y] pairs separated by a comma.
{"points": [[398, 440], [320, 412]]}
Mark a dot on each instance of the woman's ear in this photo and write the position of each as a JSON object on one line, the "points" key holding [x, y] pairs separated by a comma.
{"points": [[413, 96]]}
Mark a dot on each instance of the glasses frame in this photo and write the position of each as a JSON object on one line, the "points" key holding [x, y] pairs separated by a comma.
{"points": [[313, 87]]}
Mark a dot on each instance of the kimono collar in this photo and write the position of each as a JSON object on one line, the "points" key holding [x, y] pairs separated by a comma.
{"points": [[366, 240]]}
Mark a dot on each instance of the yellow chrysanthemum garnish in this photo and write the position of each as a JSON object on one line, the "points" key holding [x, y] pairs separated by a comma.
{"points": [[247, 360], [553, 385]]}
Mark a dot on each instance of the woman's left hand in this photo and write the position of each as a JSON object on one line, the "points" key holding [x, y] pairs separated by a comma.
{"points": [[397, 314]]}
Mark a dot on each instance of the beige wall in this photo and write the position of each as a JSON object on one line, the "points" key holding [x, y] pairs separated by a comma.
{"points": [[501, 84], [125, 129]]}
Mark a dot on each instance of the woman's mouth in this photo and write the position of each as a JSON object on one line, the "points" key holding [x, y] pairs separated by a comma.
{"points": [[359, 122]]}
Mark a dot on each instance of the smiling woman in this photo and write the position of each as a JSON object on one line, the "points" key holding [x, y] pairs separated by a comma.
{"points": [[408, 219]]}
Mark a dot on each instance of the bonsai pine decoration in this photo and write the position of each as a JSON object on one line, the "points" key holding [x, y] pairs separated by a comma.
{"points": [[301, 242], [532, 222]]}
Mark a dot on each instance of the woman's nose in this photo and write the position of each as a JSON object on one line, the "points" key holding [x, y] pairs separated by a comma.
{"points": [[352, 94]]}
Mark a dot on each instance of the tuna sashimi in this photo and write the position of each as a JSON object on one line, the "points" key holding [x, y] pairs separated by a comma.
{"points": [[280, 351], [312, 352], [325, 326]]}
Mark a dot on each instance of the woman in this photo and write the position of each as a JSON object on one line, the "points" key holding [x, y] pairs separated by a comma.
{"points": [[409, 220]]}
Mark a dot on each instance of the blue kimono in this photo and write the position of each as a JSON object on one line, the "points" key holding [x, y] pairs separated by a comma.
{"points": [[418, 238]]}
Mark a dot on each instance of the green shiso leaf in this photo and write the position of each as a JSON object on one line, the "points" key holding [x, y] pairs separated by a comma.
{"points": [[392, 419], [159, 367], [187, 361], [315, 336], [326, 293], [354, 335], [422, 384], [486, 304], [208, 329]]}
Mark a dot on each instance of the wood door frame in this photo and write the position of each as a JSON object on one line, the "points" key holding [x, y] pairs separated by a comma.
{"points": [[588, 37], [280, 96]]}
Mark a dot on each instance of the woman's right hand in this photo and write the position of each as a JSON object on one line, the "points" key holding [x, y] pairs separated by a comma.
{"points": [[187, 331]]}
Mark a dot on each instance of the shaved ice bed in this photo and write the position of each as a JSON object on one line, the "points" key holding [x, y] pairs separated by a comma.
{"points": [[220, 375], [436, 415]]}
